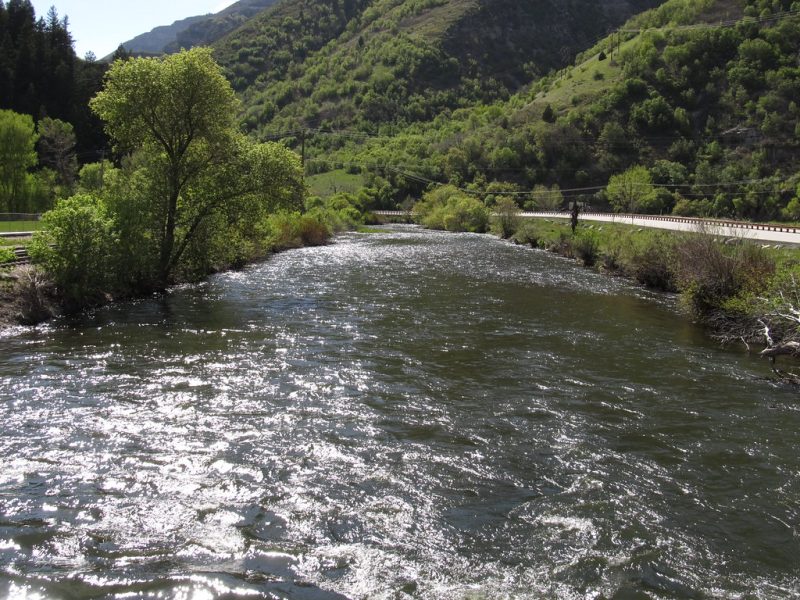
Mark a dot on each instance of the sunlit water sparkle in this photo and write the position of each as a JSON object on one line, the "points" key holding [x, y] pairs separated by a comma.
{"points": [[407, 414]]}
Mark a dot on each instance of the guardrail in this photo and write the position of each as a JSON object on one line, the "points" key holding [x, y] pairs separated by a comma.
{"points": [[16, 234], [670, 219], [20, 216]]}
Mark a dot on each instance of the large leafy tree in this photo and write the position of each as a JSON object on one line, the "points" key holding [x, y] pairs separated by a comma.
{"points": [[631, 191], [57, 149], [193, 189], [17, 155], [180, 110]]}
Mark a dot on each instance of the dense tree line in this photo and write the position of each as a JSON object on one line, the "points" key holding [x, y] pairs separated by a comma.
{"points": [[41, 76]]}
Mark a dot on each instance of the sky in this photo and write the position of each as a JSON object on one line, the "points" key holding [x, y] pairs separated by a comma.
{"points": [[102, 25]]}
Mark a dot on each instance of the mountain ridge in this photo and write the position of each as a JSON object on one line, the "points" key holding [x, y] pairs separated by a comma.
{"points": [[195, 30]]}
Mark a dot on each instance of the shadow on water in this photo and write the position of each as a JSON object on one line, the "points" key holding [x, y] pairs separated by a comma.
{"points": [[405, 414]]}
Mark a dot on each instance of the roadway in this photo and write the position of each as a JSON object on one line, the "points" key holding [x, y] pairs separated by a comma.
{"points": [[765, 232]]}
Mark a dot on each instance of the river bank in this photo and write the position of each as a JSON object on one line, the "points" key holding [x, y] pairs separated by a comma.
{"points": [[29, 295], [741, 291]]}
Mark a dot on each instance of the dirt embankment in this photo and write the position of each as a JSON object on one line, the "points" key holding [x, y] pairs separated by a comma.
{"points": [[25, 297]]}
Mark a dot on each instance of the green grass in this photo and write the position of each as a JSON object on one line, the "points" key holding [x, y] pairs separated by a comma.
{"points": [[617, 237], [14, 226], [328, 184]]}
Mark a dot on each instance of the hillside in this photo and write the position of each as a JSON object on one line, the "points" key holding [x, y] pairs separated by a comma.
{"points": [[704, 94], [155, 40], [370, 63], [197, 30]]}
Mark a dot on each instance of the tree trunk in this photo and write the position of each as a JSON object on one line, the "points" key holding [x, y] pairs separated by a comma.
{"points": [[168, 241]]}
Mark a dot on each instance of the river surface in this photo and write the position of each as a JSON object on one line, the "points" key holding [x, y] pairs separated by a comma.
{"points": [[406, 414]]}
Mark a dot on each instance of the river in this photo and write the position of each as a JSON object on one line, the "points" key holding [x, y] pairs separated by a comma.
{"points": [[405, 414]]}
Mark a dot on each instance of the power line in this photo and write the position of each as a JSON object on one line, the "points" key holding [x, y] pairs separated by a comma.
{"points": [[565, 191]]}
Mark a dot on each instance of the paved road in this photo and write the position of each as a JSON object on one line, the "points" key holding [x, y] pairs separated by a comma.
{"points": [[752, 231]]}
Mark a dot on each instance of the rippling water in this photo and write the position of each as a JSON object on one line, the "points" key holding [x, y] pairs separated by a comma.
{"points": [[400, 415]]}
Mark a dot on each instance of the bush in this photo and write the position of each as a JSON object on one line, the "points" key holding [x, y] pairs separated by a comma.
{"points": [[528, 234], [280, 231], [586, 247], [466, 214], [33, 290], [286, 230], [450, 209], [653, 263], [710, 274], [313, 230], [75, 249], [506, 219], [6, 255]]}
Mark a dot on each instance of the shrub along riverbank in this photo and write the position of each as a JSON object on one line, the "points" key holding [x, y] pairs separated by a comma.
{"points": [[72, 272], [743, 292]]}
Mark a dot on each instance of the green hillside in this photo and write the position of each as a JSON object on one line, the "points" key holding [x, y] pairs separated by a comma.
{"points": [[372, 63], [704, 94]]}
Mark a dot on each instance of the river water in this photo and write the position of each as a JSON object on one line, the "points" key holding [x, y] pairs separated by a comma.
{"points": [[406, 414]]}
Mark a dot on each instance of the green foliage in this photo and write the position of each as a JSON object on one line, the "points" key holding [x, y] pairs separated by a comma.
{"points": [[74, 248], [632, 191], [696, 106], [505, 219], [651, 261], [93, 176], [362, 63], [586, 247], [711, 275], [6, 255], [545, 199], [180, 110], [286, 230], [40, 74], [57, 149], [17, 155], [448, 208]]}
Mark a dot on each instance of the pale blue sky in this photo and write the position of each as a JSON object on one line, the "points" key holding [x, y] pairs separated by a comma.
{"points": [[102, 25]]}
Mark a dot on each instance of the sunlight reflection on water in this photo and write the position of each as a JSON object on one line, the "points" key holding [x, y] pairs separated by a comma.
{"points": [[407, 414]]}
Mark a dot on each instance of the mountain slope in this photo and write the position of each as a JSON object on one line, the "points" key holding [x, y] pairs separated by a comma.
{"points": [[703, 93], [155, 40], [207, 31], [196, 31], [368, 62]]}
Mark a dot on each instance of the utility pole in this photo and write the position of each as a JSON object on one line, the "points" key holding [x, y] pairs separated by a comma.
{"points": [[102, 169], [303, 149]]}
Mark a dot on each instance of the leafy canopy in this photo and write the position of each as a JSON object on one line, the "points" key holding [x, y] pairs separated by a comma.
{"points": [[176, 103], [631, 190], [17, 155]]}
